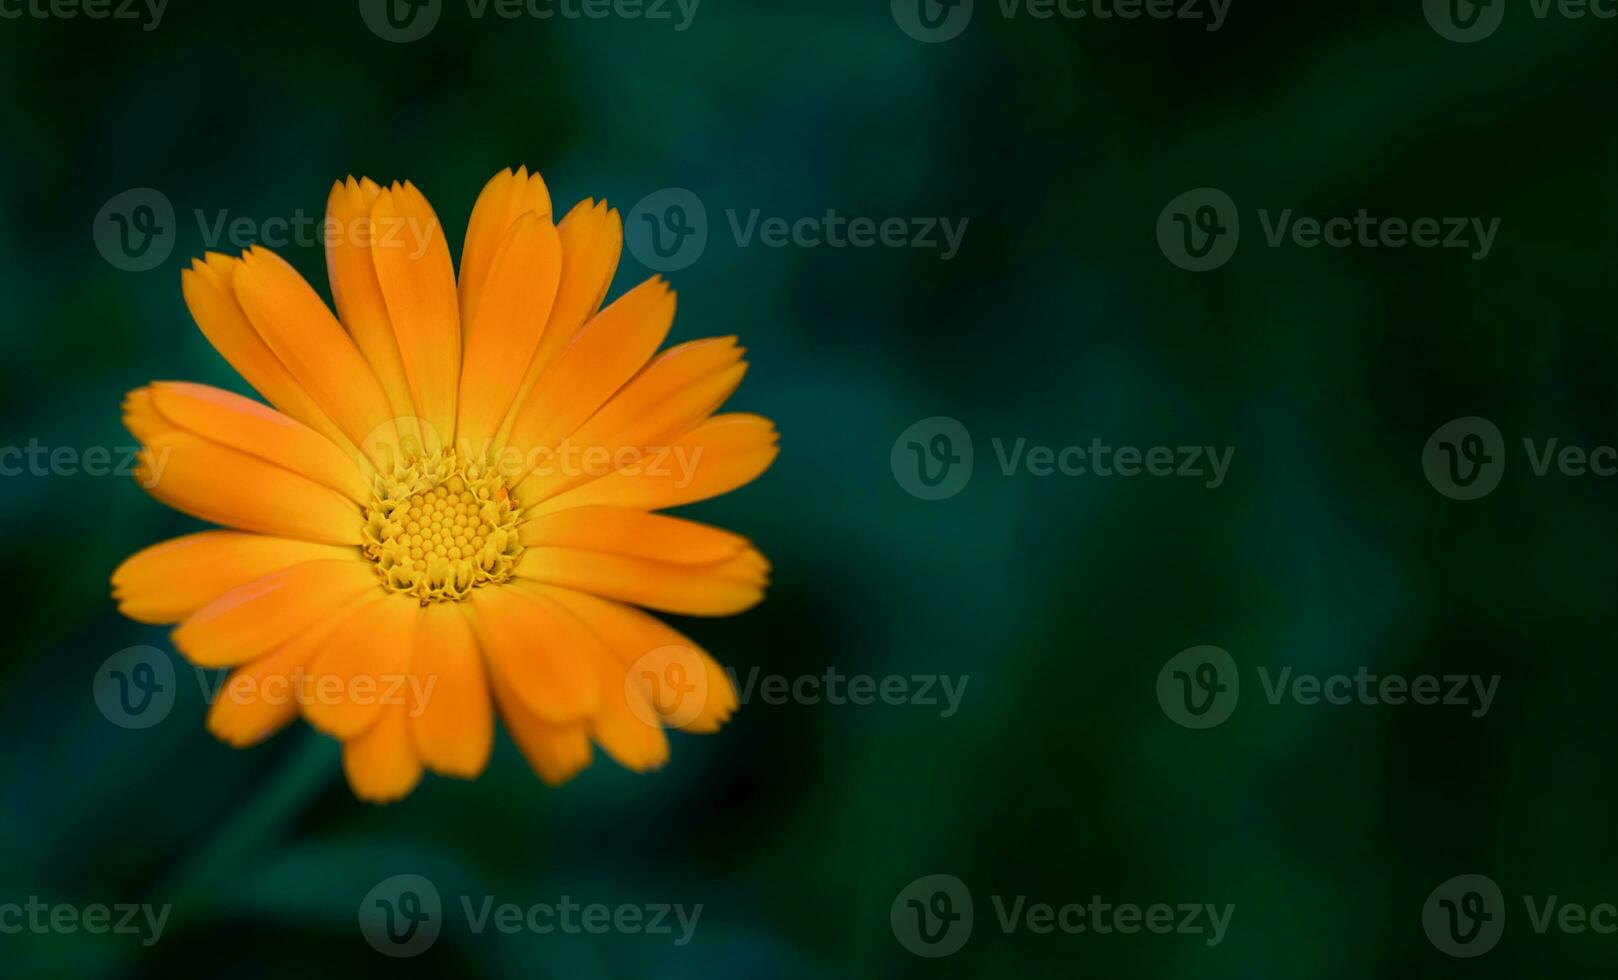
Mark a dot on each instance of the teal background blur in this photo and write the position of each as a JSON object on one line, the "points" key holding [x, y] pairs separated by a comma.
{"points": [[1060, 321]]}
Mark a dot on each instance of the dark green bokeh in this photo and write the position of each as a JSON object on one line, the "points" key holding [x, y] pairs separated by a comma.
{"points": [[1060, 321]]}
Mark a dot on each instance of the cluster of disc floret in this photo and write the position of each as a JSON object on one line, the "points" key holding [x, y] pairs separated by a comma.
{"points": [[439, 527]]}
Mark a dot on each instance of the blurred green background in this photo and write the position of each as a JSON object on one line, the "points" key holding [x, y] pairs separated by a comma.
{"points": [[1060, 321]]}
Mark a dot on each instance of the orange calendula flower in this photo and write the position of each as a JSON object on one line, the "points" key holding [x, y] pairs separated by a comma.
{"points": [[450, 507]]}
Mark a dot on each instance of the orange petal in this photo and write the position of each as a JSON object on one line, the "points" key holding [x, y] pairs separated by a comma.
{"points": [[672, 371], [253, 619], [555, 752], [606, 353], [694, 590], [533, 654], [452, 723], [262, 697], [592, 240], [363, 667], [716, 457], [680, 681], [634, 534], [142, 418], [223, 486], [296, 324], [623, 722], [210, 294], [625, 725], [358, 295], [381, 764], [505, 198], [418, 285], [631, 430], [167, 582], [246, 426], [500, 338]]}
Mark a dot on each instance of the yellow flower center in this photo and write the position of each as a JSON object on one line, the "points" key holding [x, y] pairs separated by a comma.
{"points": [[439, 527]]}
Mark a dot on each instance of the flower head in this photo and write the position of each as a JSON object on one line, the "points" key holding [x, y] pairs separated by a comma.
{"points": [[450, 507]]}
